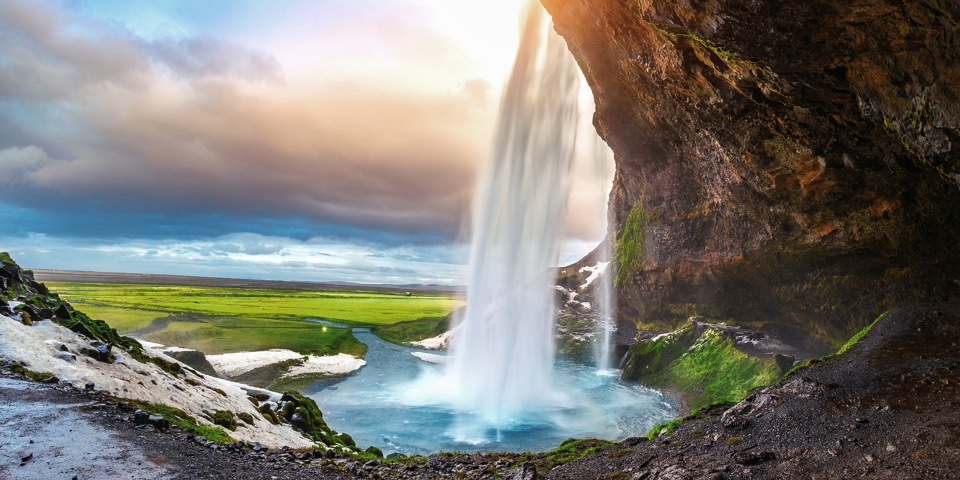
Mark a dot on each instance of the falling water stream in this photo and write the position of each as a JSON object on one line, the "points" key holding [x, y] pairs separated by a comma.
{"points": [[501, 387], [503, 356]]}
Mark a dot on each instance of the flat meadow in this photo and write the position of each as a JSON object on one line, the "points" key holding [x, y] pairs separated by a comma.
{"points": [[217, 320]]}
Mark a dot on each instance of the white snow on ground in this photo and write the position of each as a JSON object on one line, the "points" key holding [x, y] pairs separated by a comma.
{"points": [[128, 378], [431, 357], [147, 344], [234, 364], [176, 349], [440, 342], [328, 364], [595, 272], [570, 294]]}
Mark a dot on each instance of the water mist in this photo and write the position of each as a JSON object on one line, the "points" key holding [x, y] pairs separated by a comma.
{"points": [[504, 354]]}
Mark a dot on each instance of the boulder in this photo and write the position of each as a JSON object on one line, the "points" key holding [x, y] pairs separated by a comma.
{"points": [[290, 398], [140, 417], [161, 423], [784, 362], [194, 359], [526, 471], [11, 271], [298, 421], [81, 329], [733, 421], [39, 288], [100, 351], [66, 357], [63, 312]]}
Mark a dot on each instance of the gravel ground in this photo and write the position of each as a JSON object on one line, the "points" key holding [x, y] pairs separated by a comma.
{"points": [[888, 408]]}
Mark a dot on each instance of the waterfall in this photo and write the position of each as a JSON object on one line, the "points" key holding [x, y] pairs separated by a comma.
{"points": [[607, 310], [503, 356]]}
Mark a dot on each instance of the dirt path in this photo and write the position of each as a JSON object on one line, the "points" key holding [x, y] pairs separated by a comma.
{"points": [[59, 439]]}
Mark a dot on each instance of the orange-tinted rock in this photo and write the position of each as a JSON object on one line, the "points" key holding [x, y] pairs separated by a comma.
{"points": [[798, 162]]}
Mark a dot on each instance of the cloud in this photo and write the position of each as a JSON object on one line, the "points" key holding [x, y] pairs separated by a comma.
{"points": [[210, 57], [315, 259], [18, 164], [211, 127]]}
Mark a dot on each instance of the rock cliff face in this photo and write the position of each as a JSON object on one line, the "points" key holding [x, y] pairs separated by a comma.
{"points": [[777, 162]]}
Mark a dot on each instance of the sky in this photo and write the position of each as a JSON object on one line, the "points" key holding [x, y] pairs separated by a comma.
{"points": [[320, 140]]}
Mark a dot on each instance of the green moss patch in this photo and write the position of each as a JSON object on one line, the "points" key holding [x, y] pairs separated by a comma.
{"points": [[225, 419], [573, 449], [18, 369], [664, 428], [699, 363], [178, 417], [629, 248], [846, 346]]}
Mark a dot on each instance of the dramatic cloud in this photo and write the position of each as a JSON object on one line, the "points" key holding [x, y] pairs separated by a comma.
{"points": [[206, 124]]}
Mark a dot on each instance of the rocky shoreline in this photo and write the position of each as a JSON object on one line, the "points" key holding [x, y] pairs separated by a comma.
{"points": [[886, 408]]}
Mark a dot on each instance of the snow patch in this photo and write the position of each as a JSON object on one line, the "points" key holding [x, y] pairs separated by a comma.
{"points": [[327, 365], [440, 342], [571, 295], [595, 272], [177, 349], [128, 378], [234, 364], [147, 344]]}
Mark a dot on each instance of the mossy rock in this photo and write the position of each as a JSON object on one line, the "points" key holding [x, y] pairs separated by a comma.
{"points": [[375, 451], [246, 417], [306, 415], [225, 419], [346, 439], [18, 369]]}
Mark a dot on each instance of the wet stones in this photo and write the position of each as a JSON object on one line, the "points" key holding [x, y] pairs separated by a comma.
{"points": [[99, 351], [144, 418], [752, 458], [734, 421], [526, 471]]}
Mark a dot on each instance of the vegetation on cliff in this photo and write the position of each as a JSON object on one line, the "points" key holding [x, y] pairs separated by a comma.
{"points": [[700, 365]]}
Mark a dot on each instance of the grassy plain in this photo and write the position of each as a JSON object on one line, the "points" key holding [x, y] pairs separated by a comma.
{"points": [[217, 320], [356, 307], [125, 320], [406, 332]]}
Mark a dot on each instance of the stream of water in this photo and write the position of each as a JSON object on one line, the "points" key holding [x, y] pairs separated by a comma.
{"points": [[402, 404]]}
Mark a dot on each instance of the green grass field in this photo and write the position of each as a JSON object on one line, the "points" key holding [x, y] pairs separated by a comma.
{"points": [[407, 332], [213, 336], [217, 320], [354, 307], [125, 320]]}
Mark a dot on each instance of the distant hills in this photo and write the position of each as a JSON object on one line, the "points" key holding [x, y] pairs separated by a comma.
{"points": [[147, 279]]}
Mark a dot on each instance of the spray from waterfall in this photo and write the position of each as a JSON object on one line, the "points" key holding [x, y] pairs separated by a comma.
{"points": [[503, 356]]}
